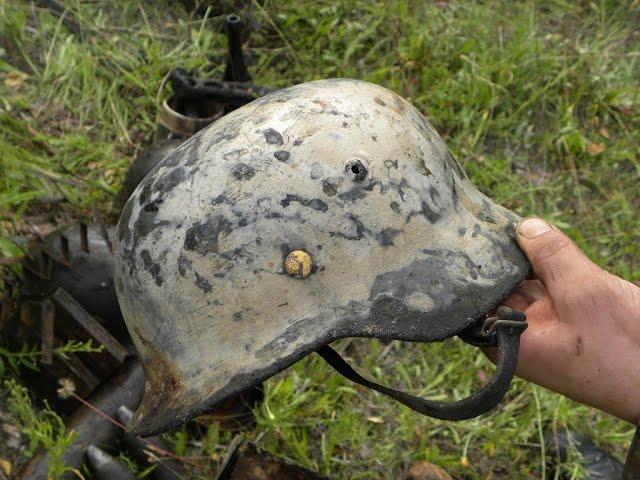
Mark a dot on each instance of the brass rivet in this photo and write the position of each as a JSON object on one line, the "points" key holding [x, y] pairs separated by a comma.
{"points": [[298, 264]]}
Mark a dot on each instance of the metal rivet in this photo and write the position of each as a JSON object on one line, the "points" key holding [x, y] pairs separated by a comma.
{"points": [[298, 264]]}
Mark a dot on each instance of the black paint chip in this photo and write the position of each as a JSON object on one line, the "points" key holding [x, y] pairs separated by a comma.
{"points": [[282, 155], [273, 137], [242, 171]]}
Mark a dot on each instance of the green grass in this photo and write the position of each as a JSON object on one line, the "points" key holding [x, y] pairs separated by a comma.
{"points": [[539, 100], [43, 428]]}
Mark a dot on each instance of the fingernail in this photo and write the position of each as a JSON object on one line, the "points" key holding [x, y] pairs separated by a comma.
{"points": [[533, 227]]}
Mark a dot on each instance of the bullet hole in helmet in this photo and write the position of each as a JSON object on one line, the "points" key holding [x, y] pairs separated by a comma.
{"points": [[356, 169]]}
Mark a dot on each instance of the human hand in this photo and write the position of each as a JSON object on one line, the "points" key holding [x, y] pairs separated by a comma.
{"points": [[583, 338]]}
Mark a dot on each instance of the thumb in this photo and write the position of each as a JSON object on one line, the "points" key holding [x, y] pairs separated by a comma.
{"points": [[555, 259]]}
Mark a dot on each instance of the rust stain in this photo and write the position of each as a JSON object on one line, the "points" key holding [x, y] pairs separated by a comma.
{"points": [[164, 380]]}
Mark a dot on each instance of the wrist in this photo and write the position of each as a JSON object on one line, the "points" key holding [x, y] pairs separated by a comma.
{"points": [[628, 322]]}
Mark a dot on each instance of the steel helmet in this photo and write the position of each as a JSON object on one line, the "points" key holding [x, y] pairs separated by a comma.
{"points": [[326, 210]]}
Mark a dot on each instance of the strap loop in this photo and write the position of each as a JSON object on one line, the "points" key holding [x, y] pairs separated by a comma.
{"points": [[507, 331]]}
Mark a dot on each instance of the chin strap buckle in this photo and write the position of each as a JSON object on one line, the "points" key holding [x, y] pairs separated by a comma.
{"points": [[485, 334], [505, 318]]}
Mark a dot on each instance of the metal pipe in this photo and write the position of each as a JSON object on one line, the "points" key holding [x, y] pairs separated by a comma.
{"points": [[236, 69]]}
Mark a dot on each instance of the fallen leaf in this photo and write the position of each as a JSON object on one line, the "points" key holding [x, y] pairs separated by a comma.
{"points": [[424, 470], [14, 78], [5, 466], [375, 419], [605, 133], [595, 148]]}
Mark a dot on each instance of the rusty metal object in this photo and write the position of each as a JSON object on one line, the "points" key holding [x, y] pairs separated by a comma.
{"points": [[66, 293], [404, 245], [77, 259], [46, 329], [67, 290], [236, 69], [78, 324], [105, 467], [164, 468], [125, 388], [46, 315], [179, 125], [597, 464], [195, 103], [245, 461]]}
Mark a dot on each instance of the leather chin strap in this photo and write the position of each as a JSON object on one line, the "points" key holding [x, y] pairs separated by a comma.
{"points": [[503, 330]]}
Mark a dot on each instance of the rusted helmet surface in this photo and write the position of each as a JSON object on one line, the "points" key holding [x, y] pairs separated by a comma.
{"points": [[389, 237]]}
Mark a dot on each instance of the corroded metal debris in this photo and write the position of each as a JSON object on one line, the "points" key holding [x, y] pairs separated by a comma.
{"points": [[597, 464], [245, 461], [77, 259], [105, 467], [125, 388], [141, 450], [196, 102], [65, 293]]}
